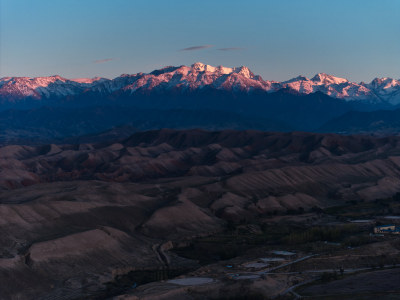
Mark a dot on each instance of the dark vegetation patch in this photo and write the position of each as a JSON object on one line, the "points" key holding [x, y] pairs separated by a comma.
{"points": [[379, 282], [362, 209], [133, 279], [236, 240]]}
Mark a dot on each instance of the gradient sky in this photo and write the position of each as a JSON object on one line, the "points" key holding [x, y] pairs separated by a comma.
{"points": [[355, 39]]}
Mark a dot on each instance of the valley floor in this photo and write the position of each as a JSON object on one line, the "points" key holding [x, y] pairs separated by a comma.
{"points": [[315, 270]]}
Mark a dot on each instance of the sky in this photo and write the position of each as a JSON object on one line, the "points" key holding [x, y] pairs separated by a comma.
{"points": [[355, 39]]}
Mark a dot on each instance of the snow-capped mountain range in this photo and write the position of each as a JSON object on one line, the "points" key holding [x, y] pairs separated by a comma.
{"points": [[195, 77]]}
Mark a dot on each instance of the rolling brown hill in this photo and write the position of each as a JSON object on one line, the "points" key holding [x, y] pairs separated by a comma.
{"points": [[75, 216]]}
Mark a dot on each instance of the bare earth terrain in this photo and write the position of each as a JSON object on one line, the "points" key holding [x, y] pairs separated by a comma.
{"points": [[121, 218]]}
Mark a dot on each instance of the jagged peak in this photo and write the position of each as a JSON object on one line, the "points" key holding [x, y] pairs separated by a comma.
{"points": [[200, 67], [224, 70], [219, 77], [326, 78], [298, 78], [384, 82], [243, 70], [52, 77], [384, 79], [130, 75], [55, 77], [164, 70]]}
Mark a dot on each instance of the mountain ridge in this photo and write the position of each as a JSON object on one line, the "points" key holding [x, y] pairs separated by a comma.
{"points": [[198, 76]]}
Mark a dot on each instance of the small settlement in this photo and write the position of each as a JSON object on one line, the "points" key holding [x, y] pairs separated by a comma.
{"points": [[384, 229]]}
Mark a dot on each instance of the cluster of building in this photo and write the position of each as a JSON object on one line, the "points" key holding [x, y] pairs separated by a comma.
{"points": [[393, 229]]}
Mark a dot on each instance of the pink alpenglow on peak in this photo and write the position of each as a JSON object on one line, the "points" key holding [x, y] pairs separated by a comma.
{"points": [[88, 80], [200, 67], [323, 78], [199, 76]]}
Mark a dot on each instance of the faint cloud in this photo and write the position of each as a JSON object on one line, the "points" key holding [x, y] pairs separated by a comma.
{"points": [[102, 61], [230, 49], [196, 48]]}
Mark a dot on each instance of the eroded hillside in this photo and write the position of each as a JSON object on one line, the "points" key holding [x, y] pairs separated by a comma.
{"points": [[75, 216]]}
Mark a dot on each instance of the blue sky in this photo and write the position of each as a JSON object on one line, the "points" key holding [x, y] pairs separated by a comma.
{"points": [[355, 39]]}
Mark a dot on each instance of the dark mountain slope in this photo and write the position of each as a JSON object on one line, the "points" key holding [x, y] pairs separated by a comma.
{"points": [[212, 110], [60, 124], [374, 122]]}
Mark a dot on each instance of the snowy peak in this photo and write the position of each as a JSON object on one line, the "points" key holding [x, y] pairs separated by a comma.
{"points": [[298, 78], [244, 71], [89, 80], [385, 83], [198, 76], [41, 87], [330, 85], [200, 67], [387, 89], [323, 78]]}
